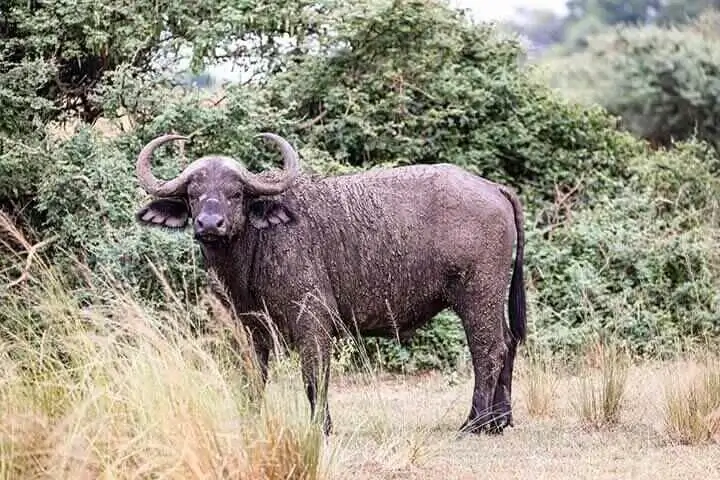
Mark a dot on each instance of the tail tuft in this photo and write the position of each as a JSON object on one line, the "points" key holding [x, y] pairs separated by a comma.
{"points": [[517, 308]]}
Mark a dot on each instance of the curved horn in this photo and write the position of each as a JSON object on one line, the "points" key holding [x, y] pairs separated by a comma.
{"points": [[143, 169], [255, 183], [291, 168]]}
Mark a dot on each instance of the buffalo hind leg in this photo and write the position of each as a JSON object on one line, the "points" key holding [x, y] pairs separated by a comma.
{"points": [[315, 363], [483, 318], [502, 401]]}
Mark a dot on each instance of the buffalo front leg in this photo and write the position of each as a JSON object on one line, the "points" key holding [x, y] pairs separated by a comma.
{"points": [[483, 319], [261, 348], [251, 360]]}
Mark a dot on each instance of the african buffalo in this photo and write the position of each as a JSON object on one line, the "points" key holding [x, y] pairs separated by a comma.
{"points": [[383, 250]]}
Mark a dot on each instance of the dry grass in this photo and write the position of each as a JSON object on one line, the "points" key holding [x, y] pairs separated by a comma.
{"points": [[395, 427], [124, 393], [108, 388], [113, 389], [539, 382], [692, 401], [600, 391]]}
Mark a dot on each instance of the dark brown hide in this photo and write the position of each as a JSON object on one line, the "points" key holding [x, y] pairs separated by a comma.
{"points": [[384, 251]]}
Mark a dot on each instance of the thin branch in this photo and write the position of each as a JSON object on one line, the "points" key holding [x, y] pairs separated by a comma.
{"points": [[312, 121], [32, 251]]}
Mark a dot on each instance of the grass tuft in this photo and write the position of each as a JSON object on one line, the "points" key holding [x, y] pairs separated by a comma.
{"points": [[602, 386], [692, 402], [540, 383]]}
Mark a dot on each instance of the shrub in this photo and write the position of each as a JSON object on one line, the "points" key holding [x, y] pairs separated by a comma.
{"points": [[642, 266], [662, 82], [62, 63], [87, 198], [440, 345], [416, 82]]}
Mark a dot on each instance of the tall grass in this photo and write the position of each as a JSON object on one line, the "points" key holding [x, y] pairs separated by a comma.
{"points": [[97, 385], [602, 386], [540, 383], [692, 402]]}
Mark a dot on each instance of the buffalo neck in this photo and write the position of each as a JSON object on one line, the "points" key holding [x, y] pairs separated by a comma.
{"points": [[233, 263]]}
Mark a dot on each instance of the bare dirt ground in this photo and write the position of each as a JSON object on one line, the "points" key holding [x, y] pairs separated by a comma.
{"points": [[405, 428]]}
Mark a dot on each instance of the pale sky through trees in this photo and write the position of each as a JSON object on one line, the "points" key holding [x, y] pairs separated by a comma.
{"points": [[504, 9], [484, 10]]}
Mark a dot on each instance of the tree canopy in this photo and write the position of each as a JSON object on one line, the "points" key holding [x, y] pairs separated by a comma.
{"points": [[585, 18]]}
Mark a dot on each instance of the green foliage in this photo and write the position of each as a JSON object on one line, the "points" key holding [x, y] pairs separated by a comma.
{"points": [[24, 112], [551, 32], [87, 190], [440, 345], [87, 198], [619, 240], [663, 83], [612, 12], [643, 267], [72, 45], [456, 92], [63, 61], [680, 11], [21, 166]]}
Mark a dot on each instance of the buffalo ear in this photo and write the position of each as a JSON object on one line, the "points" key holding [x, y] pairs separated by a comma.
{"points": [[268, 213], [164, 212]]}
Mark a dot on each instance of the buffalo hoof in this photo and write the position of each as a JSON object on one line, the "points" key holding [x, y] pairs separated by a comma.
{"points": [[328, 428], [487, 425]]}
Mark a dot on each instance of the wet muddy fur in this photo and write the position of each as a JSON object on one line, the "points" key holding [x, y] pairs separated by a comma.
{"points": [[379, 253]]}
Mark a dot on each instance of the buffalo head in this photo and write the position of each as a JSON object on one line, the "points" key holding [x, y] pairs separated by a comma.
{"points": [[218, 194]]}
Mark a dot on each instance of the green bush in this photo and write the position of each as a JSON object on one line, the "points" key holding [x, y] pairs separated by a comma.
{"points": [[619, 240], [87, 197], [21, 165], [416, 82], [440, 345], [662, 82], [643, 267]]}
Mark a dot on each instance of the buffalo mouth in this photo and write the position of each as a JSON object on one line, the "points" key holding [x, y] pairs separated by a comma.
{"points": [[210, 238]]}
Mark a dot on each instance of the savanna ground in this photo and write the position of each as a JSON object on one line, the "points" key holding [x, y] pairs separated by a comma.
{"points": [[407, 430], [118, 391]]}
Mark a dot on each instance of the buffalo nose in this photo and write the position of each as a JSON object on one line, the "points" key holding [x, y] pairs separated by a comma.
{"points": [[210, 223]]}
